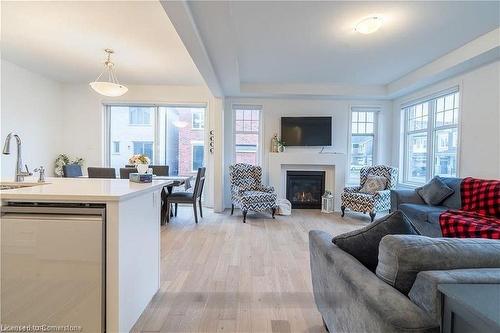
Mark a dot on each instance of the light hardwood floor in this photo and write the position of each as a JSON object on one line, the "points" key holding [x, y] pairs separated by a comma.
{"points": [[226, 276]]}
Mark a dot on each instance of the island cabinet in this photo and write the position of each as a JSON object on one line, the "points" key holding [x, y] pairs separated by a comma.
{"points": [[101, 236]]}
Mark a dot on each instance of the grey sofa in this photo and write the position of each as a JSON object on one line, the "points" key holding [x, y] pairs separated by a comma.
{"points": [[352, 298], [425, 217]]}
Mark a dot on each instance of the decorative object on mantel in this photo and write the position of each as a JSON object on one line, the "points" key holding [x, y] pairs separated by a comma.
{"points": [[141, 163], [277, 144], [111, 87], [65, 159], [284, 207], [327, 201]]}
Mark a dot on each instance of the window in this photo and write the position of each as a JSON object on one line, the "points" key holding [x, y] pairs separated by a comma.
{"points": [[363, 126], [198, 120], [247, 134], [116, 147], [431, 138], [167, 140], [139, 115], [197, 154], [144, 147]]}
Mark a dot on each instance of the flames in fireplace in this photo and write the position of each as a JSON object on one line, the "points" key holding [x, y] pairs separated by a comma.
{"points": [[304, 197]]}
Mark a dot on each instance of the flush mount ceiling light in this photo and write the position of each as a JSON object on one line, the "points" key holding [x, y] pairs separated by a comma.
{"points": [[369, 25], [111, 87]]}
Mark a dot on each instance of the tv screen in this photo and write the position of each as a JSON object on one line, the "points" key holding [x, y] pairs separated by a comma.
{"points": [[306, 131]]}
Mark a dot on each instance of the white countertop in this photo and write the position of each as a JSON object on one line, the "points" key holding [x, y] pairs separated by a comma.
{"points": [[81, 189]]}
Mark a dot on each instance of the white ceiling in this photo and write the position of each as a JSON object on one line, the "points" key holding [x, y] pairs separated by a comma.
{"points": [[313, 43], [65, 41]]}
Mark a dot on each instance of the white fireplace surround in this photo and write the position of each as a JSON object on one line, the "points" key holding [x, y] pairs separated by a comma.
{"points": [[332, 163]]}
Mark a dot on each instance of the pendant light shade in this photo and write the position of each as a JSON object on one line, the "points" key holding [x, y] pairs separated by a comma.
{"points": [[111, 87]]}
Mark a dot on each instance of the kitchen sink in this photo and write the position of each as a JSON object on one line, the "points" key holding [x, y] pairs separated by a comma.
{"points": [[14, 185]]}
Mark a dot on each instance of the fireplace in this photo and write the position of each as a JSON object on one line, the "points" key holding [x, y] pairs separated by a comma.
{"points": [[305, 188]]}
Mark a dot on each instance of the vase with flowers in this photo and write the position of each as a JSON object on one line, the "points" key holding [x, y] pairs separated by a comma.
{"points": [[141, 162]]}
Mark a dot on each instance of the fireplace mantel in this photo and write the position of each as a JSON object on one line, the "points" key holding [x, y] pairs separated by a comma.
{"points": [[333, 163]]}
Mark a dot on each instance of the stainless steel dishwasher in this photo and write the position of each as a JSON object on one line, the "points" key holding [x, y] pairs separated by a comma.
{"points": [[53, 266]]}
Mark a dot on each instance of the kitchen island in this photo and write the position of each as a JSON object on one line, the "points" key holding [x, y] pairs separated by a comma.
{"points": [[57, 240]]}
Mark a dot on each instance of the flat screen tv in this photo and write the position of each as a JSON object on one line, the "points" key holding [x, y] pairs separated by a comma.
{"points": [[306, 131]]}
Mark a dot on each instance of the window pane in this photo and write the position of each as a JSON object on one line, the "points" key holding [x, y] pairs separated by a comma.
{"points": [[457, 100], [255, 114], [354, 128], [369, 117], [440, 119], [448, 102], [440, 104], [239, 125], [198, 157], [246, 148], [127, 136], [361, 128], [354, 117], [361, 116], [239, 114], [417, 158], [445, 154], [247, 115], [181, 145], [361, 155], [369, 128]]}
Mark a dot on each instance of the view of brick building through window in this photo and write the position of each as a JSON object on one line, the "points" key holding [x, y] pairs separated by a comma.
{"points": [[180, 136], [246, 129]]}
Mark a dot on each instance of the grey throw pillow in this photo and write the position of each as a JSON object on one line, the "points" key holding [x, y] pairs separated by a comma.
{"points": [[363, 243], [434, 192], [402, 257], [374, 184]]}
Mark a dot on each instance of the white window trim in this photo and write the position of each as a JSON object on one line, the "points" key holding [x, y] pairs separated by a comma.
{"points": [[235, 107], [192, 121], [196, 143], [431, 128], [376, 110]]}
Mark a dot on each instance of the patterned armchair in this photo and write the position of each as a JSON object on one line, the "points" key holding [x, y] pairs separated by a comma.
{"points": [[247, 190], [372, 203]]}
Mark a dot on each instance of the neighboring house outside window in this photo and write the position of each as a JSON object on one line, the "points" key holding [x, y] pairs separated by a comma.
{"points": [[140, 115], [198, 120], [246, 128], [197, 153], [362, 147], [143, 147], [431, 138], [116, 147]]}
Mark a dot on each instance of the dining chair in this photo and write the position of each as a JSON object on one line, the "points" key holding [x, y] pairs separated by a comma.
{"points": [[160, 170], [125, 172], [72, 171], [193, 198], [95, 172]]}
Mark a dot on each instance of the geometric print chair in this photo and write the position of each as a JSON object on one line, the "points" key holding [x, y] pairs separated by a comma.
{"points": [[248, 192], [372, 203]]}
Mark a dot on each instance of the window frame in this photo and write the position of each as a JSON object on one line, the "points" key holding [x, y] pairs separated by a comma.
{"points": [[252, 107], [430, 131], [192, 121], [376, 109], [106, 151]]}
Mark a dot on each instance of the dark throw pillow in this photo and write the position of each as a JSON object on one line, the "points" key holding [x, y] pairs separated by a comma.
{"points": [[434, 192], [363, 243]]}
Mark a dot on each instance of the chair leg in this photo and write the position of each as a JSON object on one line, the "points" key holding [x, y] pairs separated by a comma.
{"points": [[342, 208], [274, 212], [167, 211], [232, 209], [175, 214], [201, 211], [244, 216], [195, 212], [372, 216]]}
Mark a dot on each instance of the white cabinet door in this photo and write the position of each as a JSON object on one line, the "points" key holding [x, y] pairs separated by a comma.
{"points": [[52, 271]]}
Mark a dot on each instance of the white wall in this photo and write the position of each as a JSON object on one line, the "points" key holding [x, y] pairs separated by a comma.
{"points": [[479, 125], [274, 109], [84, 122], [31, 106]]}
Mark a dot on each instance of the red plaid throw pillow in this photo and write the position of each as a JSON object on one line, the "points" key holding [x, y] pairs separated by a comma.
{"points": [[461, 224], [481, 196]]}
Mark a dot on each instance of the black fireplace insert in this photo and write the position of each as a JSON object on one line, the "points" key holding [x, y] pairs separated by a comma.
{"points": [[305, 188]]}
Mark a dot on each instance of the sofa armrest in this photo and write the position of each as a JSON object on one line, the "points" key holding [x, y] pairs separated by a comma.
{"points": [[399, 197], [426, 295], [351, 298]]}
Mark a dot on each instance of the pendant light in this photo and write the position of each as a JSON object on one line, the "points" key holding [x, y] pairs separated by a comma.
{"points": [[111, 87]]}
